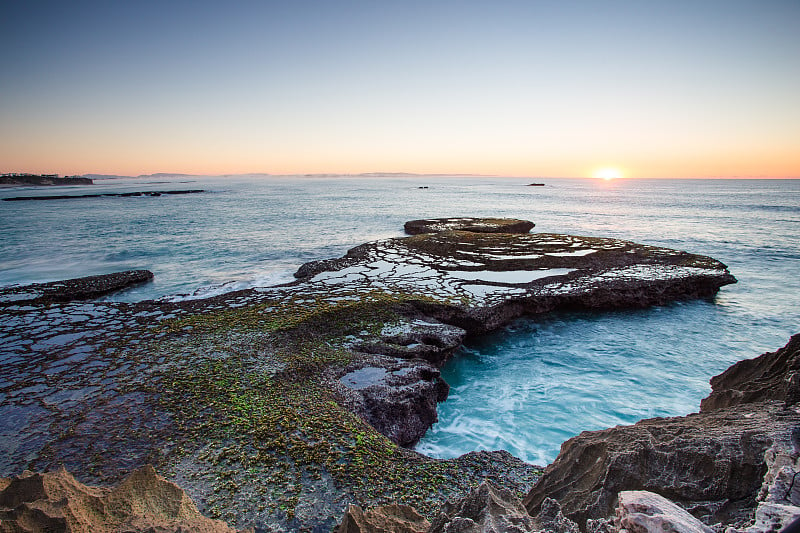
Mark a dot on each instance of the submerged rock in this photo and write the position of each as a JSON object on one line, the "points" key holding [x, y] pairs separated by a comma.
{"points": [[143, 502]]}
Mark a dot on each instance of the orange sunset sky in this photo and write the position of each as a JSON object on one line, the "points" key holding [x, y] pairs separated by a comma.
{"points": [[521, 88]]}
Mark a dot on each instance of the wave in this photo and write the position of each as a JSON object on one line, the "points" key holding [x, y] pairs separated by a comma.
{"points": [[269, 279]]}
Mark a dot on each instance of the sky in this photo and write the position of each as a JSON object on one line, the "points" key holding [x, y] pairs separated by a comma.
{"points": [[652, 88]]}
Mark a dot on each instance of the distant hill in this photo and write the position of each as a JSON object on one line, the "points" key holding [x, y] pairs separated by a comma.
{"points": [[42, 179]]}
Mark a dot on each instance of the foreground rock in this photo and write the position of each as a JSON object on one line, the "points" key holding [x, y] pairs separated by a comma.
{"points": [[388, 518], [712, 462], [143, 502], [640, 510], [280, 406], [485, 509], [68, 290]]}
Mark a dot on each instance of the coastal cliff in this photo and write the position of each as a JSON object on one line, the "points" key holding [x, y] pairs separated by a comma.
{"points": [[279, 406]]}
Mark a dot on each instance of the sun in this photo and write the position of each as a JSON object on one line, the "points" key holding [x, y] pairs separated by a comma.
{"points": [[608, 173]]}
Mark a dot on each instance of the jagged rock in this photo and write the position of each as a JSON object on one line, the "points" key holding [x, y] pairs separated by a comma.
{"points": [[779, 498], [552, 519], [714, 456], [640, 511], [68, 290], [600, 525], [770, 376], [143, 502], [486, 509], [476, 225], [391, 518]]}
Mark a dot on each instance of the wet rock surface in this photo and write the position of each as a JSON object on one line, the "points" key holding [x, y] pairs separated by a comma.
{"points": [[86, 288], [477, 225], [260, 402]]}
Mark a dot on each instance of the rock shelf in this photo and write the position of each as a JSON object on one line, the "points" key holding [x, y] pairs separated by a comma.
{"points": [[279, 406], [68, 290]]}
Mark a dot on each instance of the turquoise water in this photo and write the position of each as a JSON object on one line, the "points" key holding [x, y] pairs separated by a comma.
{"points": [[526, 388]]}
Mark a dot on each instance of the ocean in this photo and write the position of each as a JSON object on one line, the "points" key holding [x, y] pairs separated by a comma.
{"points": [[526, 388]]}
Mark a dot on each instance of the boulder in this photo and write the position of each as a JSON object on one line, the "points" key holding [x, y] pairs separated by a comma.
{"points": [[143, 502], [476, 225], [770, 376], [392, 518], [485, 509], [640, 511]]}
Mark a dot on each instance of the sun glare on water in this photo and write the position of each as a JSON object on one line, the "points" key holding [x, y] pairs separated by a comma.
{"points": [[608, 173]]}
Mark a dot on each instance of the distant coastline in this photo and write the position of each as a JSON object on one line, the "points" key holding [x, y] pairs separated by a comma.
{"points": [[18, 180]]}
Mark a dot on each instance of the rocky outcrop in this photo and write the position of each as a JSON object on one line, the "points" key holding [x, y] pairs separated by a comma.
{"points": [[770, 376], [388, 518], [551, 518], [476, 225], [485, 509], [143, 502], [713, 461], [397, 397], [68, 290]]}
